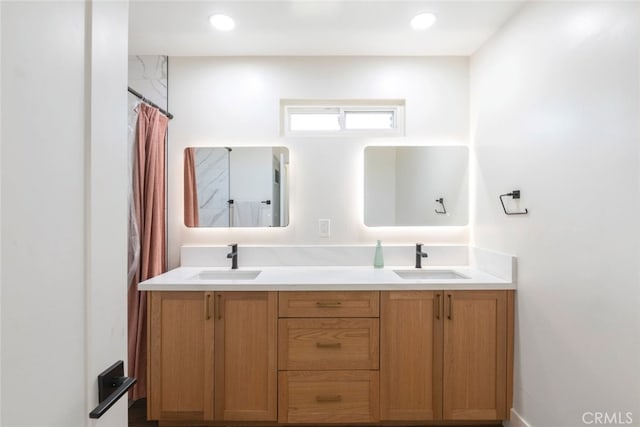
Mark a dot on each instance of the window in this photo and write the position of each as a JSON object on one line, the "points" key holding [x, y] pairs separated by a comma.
{"points": [[335, 118], [370, 120], [304, 120]]}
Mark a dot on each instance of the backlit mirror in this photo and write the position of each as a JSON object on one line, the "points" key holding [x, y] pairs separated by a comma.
{"points": [[416, 186], [236, 187]]}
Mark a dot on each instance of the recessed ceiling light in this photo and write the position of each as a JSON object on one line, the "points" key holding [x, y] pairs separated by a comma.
{"points": [[222, 22], [423, 21]]}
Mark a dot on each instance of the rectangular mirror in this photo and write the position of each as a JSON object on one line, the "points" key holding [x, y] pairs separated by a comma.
{"points": [[236, 187], [416, 186]]}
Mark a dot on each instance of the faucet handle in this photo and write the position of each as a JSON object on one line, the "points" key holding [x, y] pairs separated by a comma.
{"points": [[233, 255], [419, 255], [419, 250]]}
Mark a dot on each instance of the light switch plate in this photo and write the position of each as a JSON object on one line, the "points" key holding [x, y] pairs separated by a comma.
{"points": [[324, 227]]}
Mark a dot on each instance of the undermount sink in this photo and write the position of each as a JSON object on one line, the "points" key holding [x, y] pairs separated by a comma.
{"points": [[227, 275], [428, 274]]}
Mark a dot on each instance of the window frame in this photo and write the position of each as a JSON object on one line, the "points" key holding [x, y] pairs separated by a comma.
{"points": [[396, 107]]}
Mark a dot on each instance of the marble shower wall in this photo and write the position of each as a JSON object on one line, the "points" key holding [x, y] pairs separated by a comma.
{"points": [[148, 75], [212, 176]]}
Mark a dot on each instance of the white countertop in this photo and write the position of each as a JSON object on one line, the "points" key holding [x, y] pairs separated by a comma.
{"points": [[323, 279]]}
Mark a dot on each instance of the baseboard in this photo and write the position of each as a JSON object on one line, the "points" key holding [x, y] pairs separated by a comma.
{"points": [[516, 420]]}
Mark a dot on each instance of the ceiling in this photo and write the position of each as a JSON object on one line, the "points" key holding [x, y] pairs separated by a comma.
{"points": [[307, 27]]}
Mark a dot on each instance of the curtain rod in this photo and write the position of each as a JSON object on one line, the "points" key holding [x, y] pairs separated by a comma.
{"points": [[146, 101]]}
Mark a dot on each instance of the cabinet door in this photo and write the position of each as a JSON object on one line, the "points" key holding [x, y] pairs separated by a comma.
{"points": [[180, 381], [411, 355], [246, 362], [475, 355]]}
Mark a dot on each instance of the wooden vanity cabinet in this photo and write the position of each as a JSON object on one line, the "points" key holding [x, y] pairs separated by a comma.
{"points": [[246, 367], [212, 356], [344, 357], [181, 359], [446, 355], [411, 355], [475, 355], [328, 357]]}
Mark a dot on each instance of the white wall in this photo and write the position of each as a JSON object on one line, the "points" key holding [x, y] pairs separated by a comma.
{"points": [[426, 175], [235, 101], [380, 182], [106, 178], [1, 217], [555, 112], [42, 201], [61, 219]]}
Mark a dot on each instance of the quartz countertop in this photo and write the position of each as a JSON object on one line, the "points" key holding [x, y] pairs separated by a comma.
{"points": [[315, 278]]}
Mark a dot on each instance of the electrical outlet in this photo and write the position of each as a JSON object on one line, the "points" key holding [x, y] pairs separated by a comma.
{"points": [[324, 227]]}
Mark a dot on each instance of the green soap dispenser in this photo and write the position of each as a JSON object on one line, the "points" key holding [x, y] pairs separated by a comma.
{"points": [[378, 260]]}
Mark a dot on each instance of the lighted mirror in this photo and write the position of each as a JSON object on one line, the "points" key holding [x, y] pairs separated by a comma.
{"points": [[236, 187], [416, 186]]}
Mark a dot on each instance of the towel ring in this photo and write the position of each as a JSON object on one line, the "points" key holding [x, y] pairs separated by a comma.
{"points": [[515, 194]]}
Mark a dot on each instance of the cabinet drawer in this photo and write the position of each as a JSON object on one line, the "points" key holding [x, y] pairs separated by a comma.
{"points": [[328, 397], [329, 304], [325, 344]]}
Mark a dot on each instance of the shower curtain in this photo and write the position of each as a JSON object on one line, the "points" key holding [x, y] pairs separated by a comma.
{"points": [[147, 233], [191, 208]]}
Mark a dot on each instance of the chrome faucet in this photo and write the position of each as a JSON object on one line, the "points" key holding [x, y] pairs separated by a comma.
{"points": [[420, 255], [234, 256]]}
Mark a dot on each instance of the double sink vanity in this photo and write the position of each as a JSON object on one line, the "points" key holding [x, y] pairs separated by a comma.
{"points": [[320, 344]]}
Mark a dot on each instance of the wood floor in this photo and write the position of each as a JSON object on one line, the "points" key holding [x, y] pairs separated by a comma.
{"points": [[138, 417]]}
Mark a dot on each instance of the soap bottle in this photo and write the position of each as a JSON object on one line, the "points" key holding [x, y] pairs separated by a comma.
{"points": [[378, 260]]}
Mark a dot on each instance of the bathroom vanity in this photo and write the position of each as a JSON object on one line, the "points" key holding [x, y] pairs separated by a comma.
{"points": [[315, 345]]}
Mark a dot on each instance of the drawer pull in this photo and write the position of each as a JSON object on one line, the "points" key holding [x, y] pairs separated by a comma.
{"points": [[328, 344], [329, 398], [328, 304]]}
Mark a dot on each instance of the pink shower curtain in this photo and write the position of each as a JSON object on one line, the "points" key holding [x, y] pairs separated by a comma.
{"points": [[149, 203], [191, 214]]}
